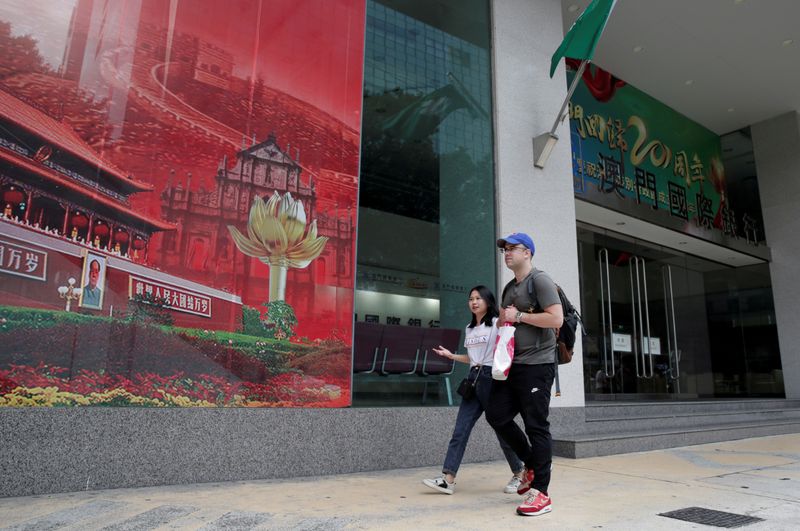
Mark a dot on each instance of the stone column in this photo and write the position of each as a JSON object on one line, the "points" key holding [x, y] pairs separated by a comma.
{"points": [[776, 143], [538, 202]]}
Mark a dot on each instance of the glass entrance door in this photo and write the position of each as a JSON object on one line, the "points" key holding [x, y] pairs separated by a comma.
{"points": [[644, 307]]}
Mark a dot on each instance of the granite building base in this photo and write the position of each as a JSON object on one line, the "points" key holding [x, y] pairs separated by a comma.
{"points": [[66, 450]]}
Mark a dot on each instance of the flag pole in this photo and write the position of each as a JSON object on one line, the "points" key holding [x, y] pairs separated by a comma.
{"points": [[572, 87], [543, 144]]}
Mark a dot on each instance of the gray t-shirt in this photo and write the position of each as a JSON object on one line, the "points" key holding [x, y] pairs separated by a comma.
{"points": [[533, 345]]}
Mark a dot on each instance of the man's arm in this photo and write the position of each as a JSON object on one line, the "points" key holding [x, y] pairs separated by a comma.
{"points": [[550, 317]]}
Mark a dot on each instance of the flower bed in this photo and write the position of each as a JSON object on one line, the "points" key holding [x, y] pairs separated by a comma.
{"points": [[49, 359], [52, 386]]}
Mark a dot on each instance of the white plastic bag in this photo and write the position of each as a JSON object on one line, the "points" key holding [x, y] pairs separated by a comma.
{"points": [[503, 352]]}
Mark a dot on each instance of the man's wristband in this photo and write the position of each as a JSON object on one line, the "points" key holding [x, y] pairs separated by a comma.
{"points": [[518, 317]]}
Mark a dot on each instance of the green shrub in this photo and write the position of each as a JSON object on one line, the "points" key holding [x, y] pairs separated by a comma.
{"points": [[148, 309], [14, 317], [278, 323], [252, 324], [281, 319]]}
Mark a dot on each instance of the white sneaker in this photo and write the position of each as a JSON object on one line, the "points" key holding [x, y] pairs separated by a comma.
{"points": [[441, 485], [513, 485]]}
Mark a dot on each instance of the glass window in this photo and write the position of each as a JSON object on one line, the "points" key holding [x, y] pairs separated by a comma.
{"points": [[426, 200], [745, 356], [667, 325]]}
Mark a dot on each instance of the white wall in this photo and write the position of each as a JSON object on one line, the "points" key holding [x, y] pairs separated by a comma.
{"points": [[539, 202], [776, 143]]}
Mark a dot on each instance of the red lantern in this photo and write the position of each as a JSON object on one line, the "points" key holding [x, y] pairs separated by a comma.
{"points": [[139, 244], [13, 196], [100, 230], [121, 237], [80, 221]]}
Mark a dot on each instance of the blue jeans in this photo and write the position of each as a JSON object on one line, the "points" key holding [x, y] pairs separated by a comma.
{"points": [[468, 414]]}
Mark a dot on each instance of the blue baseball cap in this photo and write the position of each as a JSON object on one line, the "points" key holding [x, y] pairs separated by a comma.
{"points": [[517, 238]]}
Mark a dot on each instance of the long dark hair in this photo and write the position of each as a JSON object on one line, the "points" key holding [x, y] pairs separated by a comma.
{"points": [[491, 306]]}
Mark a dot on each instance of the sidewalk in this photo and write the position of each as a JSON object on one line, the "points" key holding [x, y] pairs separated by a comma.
{"points": [[755, 477]]}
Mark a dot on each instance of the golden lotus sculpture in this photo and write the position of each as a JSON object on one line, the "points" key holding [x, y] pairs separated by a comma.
{"points": [[276, 235]]}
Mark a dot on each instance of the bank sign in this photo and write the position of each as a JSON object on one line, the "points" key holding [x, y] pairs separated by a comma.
{"points": [[636, 155]]}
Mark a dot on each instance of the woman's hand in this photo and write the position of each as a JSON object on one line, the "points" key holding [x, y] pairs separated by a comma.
{"points": [[444, 352]]}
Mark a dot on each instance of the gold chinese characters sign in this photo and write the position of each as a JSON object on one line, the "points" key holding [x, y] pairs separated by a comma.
{"points": [[630, 151]]}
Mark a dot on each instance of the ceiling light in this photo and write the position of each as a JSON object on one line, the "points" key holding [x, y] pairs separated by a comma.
{"points": [[738, 2], [731, 109], [689, 82], [787, 42], [572, 8], [637, 49]]}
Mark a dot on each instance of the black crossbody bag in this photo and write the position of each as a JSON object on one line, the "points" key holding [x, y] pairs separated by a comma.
{"points": [[467, 388]]}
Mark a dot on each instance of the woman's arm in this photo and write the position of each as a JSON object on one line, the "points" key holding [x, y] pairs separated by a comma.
{"points": [[463, 358]]}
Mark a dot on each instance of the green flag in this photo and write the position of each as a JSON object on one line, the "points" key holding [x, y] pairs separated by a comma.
{"points": [[581, 39]]}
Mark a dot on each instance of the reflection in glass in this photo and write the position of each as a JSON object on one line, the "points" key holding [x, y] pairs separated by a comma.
{"points": [[426, 199]]}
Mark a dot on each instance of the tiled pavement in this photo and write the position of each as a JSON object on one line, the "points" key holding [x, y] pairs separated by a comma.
{"points": [[757, 477]]}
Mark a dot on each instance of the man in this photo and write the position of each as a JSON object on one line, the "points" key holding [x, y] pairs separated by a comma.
{"points": [[91, 291], [527, 389]]}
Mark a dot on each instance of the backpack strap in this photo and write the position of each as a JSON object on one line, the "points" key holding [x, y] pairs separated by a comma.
{"points": [[557, 382], [532, 289]]}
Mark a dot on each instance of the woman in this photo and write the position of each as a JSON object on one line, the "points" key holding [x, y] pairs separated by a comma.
{"points": [[479, 341]]}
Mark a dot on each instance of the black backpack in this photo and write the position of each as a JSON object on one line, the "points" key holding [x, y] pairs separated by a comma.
{"points": [[566, 335]]}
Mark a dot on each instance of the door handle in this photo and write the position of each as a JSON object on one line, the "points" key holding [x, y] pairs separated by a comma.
{"points": [[605, 284], [641, 319], [672, 331]]}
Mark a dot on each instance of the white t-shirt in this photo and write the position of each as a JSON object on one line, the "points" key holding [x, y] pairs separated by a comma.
{"points": [[479, 342]]}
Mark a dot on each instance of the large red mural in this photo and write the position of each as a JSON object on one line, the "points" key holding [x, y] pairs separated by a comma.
{"points": [[179, 186]]}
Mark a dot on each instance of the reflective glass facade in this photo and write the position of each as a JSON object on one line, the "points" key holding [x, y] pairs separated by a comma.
{"points": [[426, 199], [194, 178]]}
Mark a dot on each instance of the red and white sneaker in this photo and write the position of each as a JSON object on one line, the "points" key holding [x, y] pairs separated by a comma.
{"points": [[534, 504], [525, 484]]}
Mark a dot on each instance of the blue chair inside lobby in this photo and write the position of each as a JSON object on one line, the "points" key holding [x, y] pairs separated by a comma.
{"points": [[396, 352], [401, 349], [434, 364], [366, 345]]}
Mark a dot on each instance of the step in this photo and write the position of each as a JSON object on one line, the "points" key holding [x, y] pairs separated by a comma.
{"points": [[595, 410], [686, 420], [592, 445]]}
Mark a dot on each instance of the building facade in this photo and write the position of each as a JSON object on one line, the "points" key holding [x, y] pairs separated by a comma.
{"points": [[677, 250]]}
